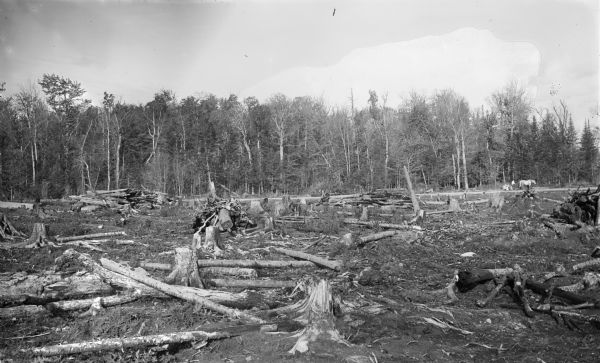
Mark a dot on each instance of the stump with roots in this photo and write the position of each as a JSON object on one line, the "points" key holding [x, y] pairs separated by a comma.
{"points": [[316, 312], [38, 237]]}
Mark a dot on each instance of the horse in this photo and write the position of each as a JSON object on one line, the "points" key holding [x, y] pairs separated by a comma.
{"points": [[526, 183]]}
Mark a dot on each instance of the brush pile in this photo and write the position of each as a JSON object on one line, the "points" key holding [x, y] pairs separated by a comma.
{"points": [[217, 210], [581, 208]]}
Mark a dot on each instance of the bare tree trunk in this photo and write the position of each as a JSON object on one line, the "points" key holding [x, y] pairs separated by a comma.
{"points": [[261, 188], [108, 151], [354, 131], [454, 170], [281, 171], [457, 146], [387, 160], [117, 157], [370, 161], [464, 158]]}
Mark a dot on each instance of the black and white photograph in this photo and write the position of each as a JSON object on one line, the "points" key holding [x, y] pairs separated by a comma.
{"points": [[358, 181]]}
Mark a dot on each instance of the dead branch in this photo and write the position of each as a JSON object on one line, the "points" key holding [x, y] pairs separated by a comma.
{"points": [[122, 343]]}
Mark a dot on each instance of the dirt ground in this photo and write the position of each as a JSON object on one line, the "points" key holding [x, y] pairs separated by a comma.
{"points": [[389, 287]]}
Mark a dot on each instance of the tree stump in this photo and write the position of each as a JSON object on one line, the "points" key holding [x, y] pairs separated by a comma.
{"points": [[267, 223], [317, 313], [212, 241], [496, 202], [364, 215], [38, 237], [193, 277], [179, 274], [454, 206], [224, 223]]}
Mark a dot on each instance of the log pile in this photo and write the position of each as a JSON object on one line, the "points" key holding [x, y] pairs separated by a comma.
{"points": [[380, 198], [580, 209], [120, 199]]}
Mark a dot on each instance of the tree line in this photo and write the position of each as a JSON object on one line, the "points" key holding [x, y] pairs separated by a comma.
{"points": [[54, 142]]}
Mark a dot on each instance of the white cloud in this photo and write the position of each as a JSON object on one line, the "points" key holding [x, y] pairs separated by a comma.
{"points": [[473, 62]]}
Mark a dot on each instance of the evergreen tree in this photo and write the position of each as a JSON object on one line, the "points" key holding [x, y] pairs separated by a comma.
{"points": [[588, 154]]}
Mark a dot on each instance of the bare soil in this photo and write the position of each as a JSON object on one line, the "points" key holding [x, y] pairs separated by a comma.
{"points": [[391, 285]]}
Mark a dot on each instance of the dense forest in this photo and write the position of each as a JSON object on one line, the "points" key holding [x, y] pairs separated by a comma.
{"points": [[54, 142]]}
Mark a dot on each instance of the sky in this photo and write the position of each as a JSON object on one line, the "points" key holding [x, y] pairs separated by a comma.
{"points": [[302, 47]]}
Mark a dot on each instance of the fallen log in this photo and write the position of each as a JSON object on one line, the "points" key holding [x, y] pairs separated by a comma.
{"points": [[256, 263], [587, 264], [122, 343], [23, 312], [242, 300], [467, 280], [409, 236], [229, 271], [541, 289], [177, 292], [382, 225], [47, 286], [15, 205], [334, 265], [156, 266], [259, 284], [106, 301], [90, 236]]}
